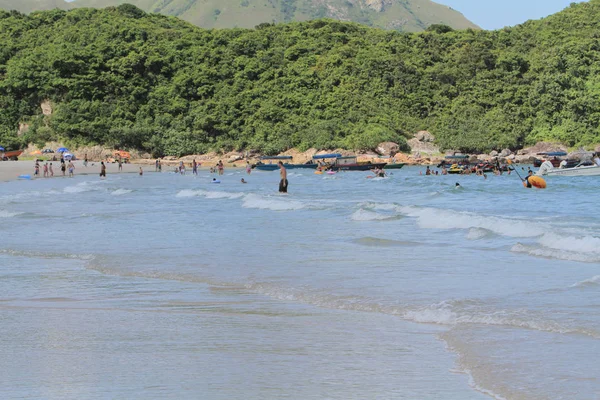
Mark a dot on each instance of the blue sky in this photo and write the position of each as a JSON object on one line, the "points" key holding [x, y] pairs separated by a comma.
{"points": [[495, 14]]}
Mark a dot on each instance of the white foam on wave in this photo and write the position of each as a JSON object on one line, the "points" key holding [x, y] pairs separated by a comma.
{"points": [[595, 280], [366, 215], [380, 206], [546, 252], [270, 203], [9, 214], [447, 313], [208, 194], [477, 233], [79, 188], [120, 192], [433, 218], [583, 244]]}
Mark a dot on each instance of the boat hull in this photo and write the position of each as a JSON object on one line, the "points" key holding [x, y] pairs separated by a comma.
{"points": [[394, 166], [591, 170], [274, 167], [356, 167]]}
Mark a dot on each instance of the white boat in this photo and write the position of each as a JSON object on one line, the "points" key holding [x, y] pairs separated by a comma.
{"points": [[580, 170]]}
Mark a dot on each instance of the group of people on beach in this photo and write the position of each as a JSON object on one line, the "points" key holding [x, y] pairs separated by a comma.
{"points": [[48, 169]]}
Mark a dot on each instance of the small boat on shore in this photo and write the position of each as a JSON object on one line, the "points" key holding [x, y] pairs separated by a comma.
{"points": [[394, 166], [351, 164], [10, 155], [261, 166]]}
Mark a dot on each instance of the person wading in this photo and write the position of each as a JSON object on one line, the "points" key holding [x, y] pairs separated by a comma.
{"points": [[283, 184]]}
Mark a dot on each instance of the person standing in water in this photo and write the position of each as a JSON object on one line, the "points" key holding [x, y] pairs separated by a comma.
{"points": [[248, 167], [71, 167], [194, 167], [51, 170], [102, 170], [283, 184]]}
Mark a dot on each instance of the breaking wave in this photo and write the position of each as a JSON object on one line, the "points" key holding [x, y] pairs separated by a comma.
{"points": [[270, 203], [208, 194], [120, 192], [9, 214], [432, 218], [366, 215]]}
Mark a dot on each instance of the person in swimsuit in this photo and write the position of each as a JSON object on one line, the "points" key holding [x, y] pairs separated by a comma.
{"points": [[71, 169], [36, 171], [141, 171], [63, 168], [248, 167], [283, 184], [102, 170], [51, 170], [194, 167]]}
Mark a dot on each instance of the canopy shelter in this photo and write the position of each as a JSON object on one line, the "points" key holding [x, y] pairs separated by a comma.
{"points": [[1, 148], [323, 156], [62, 150]]}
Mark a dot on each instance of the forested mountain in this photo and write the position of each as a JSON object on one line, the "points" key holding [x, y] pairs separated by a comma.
{"points": [[124, 78], [28, 6], [402, 15]]}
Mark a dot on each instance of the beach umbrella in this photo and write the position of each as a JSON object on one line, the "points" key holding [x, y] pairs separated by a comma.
{"points": [[1, 148], [62, 150]]}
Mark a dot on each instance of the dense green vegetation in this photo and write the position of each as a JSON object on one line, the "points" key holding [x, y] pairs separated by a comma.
{"points": [[402, 15], [123, 78]]}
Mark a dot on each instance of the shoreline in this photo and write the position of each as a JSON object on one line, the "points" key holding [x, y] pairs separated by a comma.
{"points": [[11, 170]]}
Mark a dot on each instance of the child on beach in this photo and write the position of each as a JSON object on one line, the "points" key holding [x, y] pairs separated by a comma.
{"points": [[51, 170]]}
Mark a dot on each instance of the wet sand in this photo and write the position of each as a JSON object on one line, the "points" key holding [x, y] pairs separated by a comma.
{"points": [[10, 170]]}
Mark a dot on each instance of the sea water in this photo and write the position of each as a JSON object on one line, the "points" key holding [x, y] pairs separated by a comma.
{"points": [[408, 287]]}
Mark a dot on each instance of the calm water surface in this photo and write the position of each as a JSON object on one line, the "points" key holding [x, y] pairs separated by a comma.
{"points": [[168, 286]]}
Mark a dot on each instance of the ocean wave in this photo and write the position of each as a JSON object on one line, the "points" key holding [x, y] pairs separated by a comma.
{"points": [[447, 313], [38, 254], [545, 252], [120, 192], [270, 203], [79, 188], [365, 215], [378, 242], [478, 233], [208, 194], [583, 244], [593, 281], [433, 218], [9, 214]]}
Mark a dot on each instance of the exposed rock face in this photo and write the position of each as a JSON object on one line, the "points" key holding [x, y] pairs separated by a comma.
{"points": [[377, 5], [505, 153], [22, 129], [46, 107], [542, 147], [422, 147], [494, 153], [597, 149], [387, 148], [424, 136]]}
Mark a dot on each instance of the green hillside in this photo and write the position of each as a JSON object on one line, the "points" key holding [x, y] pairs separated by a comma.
{"points": [[402, 15], [123, 78], [28, 6]]}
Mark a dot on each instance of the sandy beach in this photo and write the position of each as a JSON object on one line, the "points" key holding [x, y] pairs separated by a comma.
{"points": [[10, 170]]}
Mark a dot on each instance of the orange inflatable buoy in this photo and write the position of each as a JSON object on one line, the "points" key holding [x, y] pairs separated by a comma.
{"points": [[535, 181]]}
